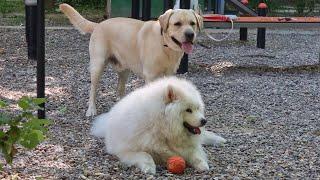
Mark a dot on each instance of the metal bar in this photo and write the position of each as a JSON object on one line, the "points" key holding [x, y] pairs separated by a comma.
{"points": [[31, 30], [183, 67], [261, 34], [184, 4], [219, 6], [242, 8], [146, 10], [41, 57], [252, 25], [244, 31], [135, 9], [107, 13], [209, 8], [167, 4], [243, 34]]}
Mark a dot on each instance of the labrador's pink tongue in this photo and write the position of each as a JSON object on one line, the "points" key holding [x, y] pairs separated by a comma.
{"points": [[187, 47], [197, 130]]}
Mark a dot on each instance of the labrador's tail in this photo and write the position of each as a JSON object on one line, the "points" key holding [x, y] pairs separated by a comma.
{"points": [[79, 22]]}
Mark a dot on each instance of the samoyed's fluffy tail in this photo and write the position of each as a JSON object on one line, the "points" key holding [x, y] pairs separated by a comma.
{"points": [[99, 127]]}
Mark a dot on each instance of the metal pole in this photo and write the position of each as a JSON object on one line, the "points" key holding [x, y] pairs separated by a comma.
{"points": [[31, 31], [146, 10], [107, 13], [244, 31], [261, 35], [167, 4], [135, 9], [40, 56], [183, 67], [209, 6], [243, 34], [219, 7], [185, 4]]}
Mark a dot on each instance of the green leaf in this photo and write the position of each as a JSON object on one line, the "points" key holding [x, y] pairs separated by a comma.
{"points": [[2, 134], [35, 123], [24, 104], [32, 139], [13, 134], [27, 115], [8, 151], [38, 101], [4, 119], [62, 109], [3, 104]]}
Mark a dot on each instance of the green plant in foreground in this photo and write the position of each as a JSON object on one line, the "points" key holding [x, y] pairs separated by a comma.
{"points": [[21, 127]]}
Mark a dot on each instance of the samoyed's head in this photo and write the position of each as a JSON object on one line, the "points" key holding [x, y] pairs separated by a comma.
{"points": [[184, 107]]}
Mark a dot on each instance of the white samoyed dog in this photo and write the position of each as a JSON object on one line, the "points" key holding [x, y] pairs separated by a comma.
{"points": [[162, 119]]}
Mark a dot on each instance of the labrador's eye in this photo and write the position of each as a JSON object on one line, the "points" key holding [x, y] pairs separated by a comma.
{"points": [[189, 110], [177, 24], [192, 23]]}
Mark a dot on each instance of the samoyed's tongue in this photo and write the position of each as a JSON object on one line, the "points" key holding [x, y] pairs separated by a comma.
{"points": [[187, 47]]}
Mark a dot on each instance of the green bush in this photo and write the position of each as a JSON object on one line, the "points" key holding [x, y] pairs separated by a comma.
{"points": [[81, 3], [10, 6], [305, 5], [21, 127]]}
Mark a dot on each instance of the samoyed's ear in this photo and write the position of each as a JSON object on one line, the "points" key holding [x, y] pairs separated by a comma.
{"points": [[170, 94]]}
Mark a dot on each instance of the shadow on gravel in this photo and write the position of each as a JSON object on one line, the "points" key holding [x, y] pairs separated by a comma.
{"points": [[230, 68]]}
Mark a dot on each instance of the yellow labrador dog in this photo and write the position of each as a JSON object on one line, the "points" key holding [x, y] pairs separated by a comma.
{"points": [[149, 49]]}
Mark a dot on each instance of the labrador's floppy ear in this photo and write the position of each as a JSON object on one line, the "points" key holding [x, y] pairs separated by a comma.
{"points": [[164, 19], [199, 20]]}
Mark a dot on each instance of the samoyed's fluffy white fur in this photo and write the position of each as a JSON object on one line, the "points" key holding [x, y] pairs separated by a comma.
{"points": [[160, 120]]}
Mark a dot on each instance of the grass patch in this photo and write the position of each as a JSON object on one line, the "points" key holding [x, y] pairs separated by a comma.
{"points": [[11, 6]]}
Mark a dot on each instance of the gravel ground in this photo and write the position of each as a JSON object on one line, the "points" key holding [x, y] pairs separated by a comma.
{"points": [[266, 103]]}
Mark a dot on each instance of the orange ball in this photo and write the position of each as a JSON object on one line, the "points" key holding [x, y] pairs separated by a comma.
{"points": [[176, 165]]}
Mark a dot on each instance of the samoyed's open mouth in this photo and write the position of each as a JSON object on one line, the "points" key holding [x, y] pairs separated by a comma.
{"points": [[192, 129]]}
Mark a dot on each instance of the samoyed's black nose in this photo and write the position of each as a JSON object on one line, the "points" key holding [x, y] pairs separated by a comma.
{"points": [[203, 122]]}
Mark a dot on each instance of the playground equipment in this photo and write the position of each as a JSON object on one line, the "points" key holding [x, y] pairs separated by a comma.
{"points": [[242, 7], [260, 22]]}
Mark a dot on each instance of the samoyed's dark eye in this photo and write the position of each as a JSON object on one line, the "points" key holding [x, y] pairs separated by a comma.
{"points": [[189, 110]]}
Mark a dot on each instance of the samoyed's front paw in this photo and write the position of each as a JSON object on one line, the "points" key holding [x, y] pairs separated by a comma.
{"points": [[210, 138], [202, 166], [220, 140], [148, 168]]}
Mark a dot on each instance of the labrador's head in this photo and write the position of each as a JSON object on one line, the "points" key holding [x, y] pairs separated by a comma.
{"points": [[180, 28]]}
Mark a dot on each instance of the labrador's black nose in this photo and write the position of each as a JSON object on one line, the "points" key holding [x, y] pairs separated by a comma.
{"points": [[189, 35], [203, 122]]}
